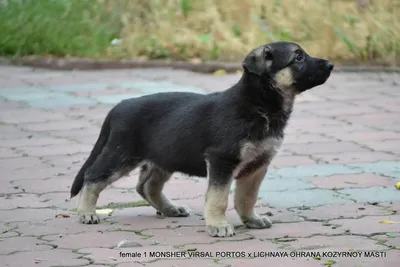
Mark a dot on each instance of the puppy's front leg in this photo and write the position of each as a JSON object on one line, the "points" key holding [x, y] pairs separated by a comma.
{"points": [[216, 202], [246, 195], [215, 208]]}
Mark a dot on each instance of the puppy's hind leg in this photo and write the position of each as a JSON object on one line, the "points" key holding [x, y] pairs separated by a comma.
{"points": [[151, 183], [109, 166]]}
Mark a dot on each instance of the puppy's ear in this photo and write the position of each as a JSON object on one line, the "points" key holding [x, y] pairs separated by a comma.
{"points": [[258, 61]]}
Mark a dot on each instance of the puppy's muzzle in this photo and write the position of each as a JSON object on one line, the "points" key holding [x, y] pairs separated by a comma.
{"points": [[329, 65]]}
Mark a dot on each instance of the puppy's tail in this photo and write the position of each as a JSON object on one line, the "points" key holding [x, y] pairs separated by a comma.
{"points": [[97, 149]]}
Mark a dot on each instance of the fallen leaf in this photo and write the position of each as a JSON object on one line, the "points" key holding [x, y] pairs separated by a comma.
{"points": [[128, 244], [329, 262], [391, 235], [63, 215], [397, 186], [388, 222], [195, 60], [318, 258], [219, 72], [105, 211]]}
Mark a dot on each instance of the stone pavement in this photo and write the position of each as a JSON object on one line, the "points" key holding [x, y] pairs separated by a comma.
{"points": [[329, 189]]}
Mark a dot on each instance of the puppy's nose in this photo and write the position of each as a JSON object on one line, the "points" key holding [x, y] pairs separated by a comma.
{"points": [[329, 65]]}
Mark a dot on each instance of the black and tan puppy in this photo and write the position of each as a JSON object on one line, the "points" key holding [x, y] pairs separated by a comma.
{"points": [[225, 136]]}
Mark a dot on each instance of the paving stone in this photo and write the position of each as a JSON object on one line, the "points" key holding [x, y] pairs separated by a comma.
{"points": [[60, 226], [371, 194], [220, 249], [187, 235], [391, 259], [181, 189], [352, 210], [299, 229], [9, 165], [392, 146], [15, 244], [141, 218], [6, 187], [283, 184], [355, 157], [115, 256], [308, 198], [8, 234], [65, 160], [369, 225], [283, 161], [276, 262], [279, 215], [8, 153], [54, 125], [22, 200], [366, 136], [29, 115], [351, 181], [391, 240], [98, 239], [108, 197], [324, 148], [318, 147], [320, 170], [27, 215], [335, 243], [61, 149], [44, 172], [8, 128], [4, 228], [175, 263], [46, 258], [41, 186]]}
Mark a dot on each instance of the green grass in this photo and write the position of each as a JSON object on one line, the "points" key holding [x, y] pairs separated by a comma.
{"points": [[139, 203], [345, 31], [55, 27]]}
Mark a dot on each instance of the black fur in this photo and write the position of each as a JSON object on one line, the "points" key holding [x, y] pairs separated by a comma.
{"points": [[179, 132]]}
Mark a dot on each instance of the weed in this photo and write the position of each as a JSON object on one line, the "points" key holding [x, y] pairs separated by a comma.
{"points": [[348, 31]]}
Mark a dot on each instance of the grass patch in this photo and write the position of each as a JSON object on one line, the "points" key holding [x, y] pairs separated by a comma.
{"points": [[139, 203], [56, 27], [348, 31]]}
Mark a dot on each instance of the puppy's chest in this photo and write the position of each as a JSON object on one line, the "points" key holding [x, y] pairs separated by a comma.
{"points": [[254, 155]]}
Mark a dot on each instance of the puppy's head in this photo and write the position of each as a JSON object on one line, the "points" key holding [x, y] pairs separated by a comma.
{"points": [[287, 66]]}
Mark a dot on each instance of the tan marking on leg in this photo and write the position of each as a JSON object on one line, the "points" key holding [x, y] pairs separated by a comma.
{"points": [[246, 192], [246, 195], [214, 210], [87, 202], [150, 186]]}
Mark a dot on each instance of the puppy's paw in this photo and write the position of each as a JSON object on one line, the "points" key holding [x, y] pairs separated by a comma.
{"points": [[258, 222], [225, 230], [89, 218], [176, 211]]}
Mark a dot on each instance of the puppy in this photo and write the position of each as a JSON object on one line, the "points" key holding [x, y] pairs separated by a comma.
{"points": [[225, 136]]}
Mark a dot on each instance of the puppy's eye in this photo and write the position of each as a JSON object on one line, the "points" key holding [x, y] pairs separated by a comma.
{"points": [[299, 57]]}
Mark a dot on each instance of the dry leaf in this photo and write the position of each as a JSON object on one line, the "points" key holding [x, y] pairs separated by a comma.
{"points": [[397, 186], [105, 211], [63, 215], [219, 72], [388, 222], [195, 60]]}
